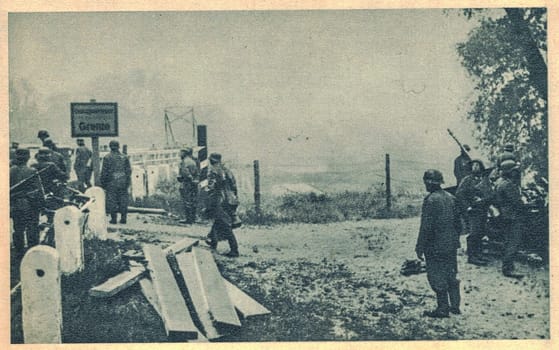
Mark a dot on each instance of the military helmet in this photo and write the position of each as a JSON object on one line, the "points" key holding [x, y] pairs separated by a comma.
{"points": [[215, 157], [433, 176], [22, 154], [114, 144], [509, 147], [43, 134], [507, 166]]}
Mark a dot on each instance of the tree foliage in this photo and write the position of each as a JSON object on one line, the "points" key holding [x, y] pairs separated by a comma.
{"points": [[505, 56]]}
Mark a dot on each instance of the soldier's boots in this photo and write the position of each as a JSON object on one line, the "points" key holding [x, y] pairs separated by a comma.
{"points": [[476, 260], [113, 218], [443, 307], [454, 296], [123, 219]]}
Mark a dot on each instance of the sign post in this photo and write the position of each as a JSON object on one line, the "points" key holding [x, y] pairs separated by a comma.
{"points": [[94, 120]]}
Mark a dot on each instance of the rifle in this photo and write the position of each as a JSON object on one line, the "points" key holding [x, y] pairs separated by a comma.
{"points": [[29, 178], [462, 149]]}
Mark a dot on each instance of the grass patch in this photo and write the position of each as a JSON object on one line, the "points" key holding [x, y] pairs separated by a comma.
{"points": [[303, 207]]}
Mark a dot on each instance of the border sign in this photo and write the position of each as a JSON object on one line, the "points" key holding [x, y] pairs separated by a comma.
{"points": [[94, 119]]}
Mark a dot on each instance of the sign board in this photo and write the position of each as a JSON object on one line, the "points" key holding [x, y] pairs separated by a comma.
{"points": [[94, 119]]}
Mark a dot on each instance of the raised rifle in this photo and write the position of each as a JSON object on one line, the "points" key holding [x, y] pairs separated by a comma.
{"points": [[462, 149]]}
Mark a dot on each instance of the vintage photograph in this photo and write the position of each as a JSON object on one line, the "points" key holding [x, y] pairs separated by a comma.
{"points": [[278, 175]]}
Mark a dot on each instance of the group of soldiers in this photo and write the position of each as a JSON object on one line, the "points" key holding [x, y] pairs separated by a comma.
{"points": [[443, 214], [33, 185]]}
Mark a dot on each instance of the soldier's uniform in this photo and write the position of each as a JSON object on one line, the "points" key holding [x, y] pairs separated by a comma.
{"points": [[189, 178], [82, 165], [50, 173], [222, 198], [25, 202], [115, 179], [462, 165], [438, 241], [509, 202], [57, 158], [474, 196]]}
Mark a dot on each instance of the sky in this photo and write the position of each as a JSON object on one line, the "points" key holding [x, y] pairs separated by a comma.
{"points": [[325, 88]]}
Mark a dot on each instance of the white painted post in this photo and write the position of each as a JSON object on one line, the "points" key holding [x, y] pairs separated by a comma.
{"points": [[68, 230], [97, 221], [41, 296]]}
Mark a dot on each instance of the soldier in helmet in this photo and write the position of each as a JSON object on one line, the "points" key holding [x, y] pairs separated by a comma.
{"points": [[50, 173], [56, 157], [473, 196], [26, 198], [43, 135], [462, 164], [509, 202], [222, 204], [438, 241], [508, 154], [82, 165], [115, 179], [188, 178]]}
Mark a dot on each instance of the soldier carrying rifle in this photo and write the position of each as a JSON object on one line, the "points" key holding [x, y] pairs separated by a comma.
{"points": [[462, 165]]}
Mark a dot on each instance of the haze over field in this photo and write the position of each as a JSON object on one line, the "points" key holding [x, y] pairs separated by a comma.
{"points": [[329, 88]]}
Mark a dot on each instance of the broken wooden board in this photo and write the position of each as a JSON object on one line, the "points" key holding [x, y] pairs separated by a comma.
{"points": [[190, 274], [174, 312], [146, 210], [149, 293], [245, 305], [117, 283], [183, 245], [221, 308]]}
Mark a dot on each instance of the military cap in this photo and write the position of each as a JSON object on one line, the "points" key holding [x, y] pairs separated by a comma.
{"points": [[22, 153], [43, 134], [433, 176], [114, 144], [507, 166], [216, 157], [509, 147]]}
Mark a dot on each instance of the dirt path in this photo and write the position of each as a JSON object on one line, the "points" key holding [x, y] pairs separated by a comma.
{"points": [[354, 267]]}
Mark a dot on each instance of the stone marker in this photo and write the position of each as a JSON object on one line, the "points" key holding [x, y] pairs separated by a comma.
{"points": [[97, 221], [68, 237], [220, 305], [245, 305], [191, 275], [174, 312], [40, 296]]}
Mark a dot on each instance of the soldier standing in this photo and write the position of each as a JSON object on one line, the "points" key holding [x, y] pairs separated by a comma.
{"points": [[43, 135], [438, 241], [49, 172], [115, 179], [462, 164], [82, 165], [56, 157], [26, 199], [509, 202], [223, 202], [188, 178], [473, 196]]}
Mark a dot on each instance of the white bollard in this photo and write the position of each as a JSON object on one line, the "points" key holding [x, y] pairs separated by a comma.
{"points": [[152, 178], [68, 237], [97, 221], [41, 296], [138, 182]]}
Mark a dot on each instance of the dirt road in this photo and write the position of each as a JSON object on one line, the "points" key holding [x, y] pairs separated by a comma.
{"points": [[341, 281]]}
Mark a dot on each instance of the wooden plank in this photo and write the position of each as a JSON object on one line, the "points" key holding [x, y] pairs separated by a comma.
{"points": [[146, 210], [133, 255], [117, 283], [175, 315], [191, 276], [221, 308], [244, 304], [149, 292], [182, 245]]}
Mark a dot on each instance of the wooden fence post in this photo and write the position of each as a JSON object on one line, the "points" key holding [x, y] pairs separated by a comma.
{"points": [[388, 190], [41, 296], [257, 207]]}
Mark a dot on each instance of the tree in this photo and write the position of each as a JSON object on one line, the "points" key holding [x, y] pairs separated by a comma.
{"points": [[506, 57]]}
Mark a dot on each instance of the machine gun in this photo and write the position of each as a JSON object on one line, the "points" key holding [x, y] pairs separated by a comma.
{"points": [[462, 149]]}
